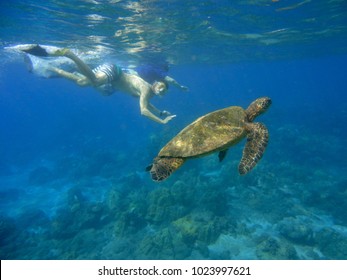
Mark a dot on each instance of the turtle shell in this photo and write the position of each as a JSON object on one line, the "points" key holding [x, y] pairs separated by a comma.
{"points": [[213, 132]]}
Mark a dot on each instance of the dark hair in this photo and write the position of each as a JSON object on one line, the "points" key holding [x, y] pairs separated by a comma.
{"points": [[166, 84]]}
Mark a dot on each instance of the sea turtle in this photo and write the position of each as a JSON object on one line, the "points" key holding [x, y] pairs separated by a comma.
{"points": [[216, 132]]}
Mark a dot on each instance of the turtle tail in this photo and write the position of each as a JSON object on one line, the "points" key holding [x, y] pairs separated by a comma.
{"points": [[257, 139], [164, 166]]}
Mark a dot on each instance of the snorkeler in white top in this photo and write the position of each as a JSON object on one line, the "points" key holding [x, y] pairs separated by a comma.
{"points": [[108, 78]]}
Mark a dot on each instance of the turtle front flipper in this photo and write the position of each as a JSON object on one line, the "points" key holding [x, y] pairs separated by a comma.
{"points": [[164, 166], [257, 139]]}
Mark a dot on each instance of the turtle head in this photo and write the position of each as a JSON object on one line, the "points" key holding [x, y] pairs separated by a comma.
{"points": [[162, 167], [258, 107]]}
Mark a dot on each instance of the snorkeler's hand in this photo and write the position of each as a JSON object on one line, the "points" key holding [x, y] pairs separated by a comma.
{"points": [[165, 113], [184, 88], [168, 118]]}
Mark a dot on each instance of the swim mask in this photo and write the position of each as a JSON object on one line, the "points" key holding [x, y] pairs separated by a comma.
{"points": [[159, 88]]}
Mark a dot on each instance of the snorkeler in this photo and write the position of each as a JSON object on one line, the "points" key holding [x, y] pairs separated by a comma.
{"points": [[108, 78], [157, 72]]}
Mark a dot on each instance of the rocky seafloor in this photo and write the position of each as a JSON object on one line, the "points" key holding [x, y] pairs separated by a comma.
{"points": [[101, 205]]}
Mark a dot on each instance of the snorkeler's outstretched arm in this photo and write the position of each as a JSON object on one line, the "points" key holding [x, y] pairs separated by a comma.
{"points": [[172, 81], [147, 109]]}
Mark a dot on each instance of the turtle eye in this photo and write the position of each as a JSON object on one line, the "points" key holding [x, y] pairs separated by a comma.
{"points": [[267, 102]]}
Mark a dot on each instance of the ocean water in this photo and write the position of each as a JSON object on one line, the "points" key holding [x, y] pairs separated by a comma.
{"points": [[73, 183]]}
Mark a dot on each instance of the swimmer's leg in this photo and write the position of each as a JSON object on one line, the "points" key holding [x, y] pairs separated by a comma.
{"points": [[44, 51], [79, 79], [84, 68]]}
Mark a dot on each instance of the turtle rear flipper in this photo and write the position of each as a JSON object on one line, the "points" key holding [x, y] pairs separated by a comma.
{"points": [[163, 167], [222, 154], [257, 139]]}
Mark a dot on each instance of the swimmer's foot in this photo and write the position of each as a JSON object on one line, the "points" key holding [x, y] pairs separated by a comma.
{"points": [[36, 50], [60, 52]]}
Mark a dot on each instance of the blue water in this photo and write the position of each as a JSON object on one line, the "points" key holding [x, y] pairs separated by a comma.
{"points": [[73, 183]]}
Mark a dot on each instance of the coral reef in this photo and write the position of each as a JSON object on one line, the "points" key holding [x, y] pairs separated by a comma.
{"points": [[79, 214], [332, 243], [7, 229], [300, 232], [164, 207], [164, 244], [201, 226], [275, 249]]}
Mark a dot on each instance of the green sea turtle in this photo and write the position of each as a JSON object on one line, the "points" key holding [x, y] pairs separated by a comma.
{"points": [[216, 132]]}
